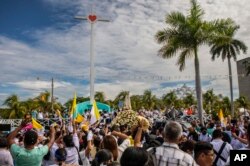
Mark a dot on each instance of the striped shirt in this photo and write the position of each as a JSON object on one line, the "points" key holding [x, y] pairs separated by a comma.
{"points": [[169, 154]]}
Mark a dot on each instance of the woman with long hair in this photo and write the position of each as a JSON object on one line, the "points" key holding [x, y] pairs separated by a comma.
{"points": [[109, 143]]}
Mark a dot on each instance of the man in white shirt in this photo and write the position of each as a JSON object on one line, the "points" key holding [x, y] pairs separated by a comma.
{"points": [[221, 148], [204, 136]]}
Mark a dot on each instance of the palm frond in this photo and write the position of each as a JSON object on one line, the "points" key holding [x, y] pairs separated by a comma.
{"points": [[224, 53], [216, 50], [187, 53], [232, 53], [196, 12], [167, 51], [164, 35], [220, 25], [240, 45], [176, 19]]}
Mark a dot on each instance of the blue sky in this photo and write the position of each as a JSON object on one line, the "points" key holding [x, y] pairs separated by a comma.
{"points": [[40, 39]]}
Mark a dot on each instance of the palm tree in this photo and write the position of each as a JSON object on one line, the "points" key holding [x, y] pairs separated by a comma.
{"points": [[17, 108], [99, 96], [43, 100], [209, 100], [186, 34], [136, 102], [226, 105], [30, 105], [148, 100], [189, 100], [226, 46], [170, 99]]}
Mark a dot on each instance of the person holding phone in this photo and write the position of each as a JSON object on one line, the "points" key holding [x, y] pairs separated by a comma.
{"points": [[29, 155]]}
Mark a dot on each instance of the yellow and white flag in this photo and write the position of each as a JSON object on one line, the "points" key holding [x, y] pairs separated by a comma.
{"points": [[36, 125], [221, 116], [95, 115], [73, 107]]}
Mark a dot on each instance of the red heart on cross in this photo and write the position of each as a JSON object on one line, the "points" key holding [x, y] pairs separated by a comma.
{"points": [[92, 18]]}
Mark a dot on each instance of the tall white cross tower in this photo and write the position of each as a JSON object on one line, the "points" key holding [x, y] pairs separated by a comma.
{"points": [[92, 18]]}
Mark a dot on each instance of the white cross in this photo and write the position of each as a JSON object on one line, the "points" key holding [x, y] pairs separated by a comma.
{"points": [[92, 18]]}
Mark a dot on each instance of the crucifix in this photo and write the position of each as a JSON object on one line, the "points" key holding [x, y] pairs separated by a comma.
{"points": [[92, 19]]}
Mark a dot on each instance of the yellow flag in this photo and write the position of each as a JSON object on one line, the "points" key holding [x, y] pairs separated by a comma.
{"points": [[73, 107], [95, 115], [79, 118], [36, 125], [221, 116]]}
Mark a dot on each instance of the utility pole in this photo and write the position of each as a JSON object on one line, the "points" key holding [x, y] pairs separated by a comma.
{"points": [[92, 18], [52, 94]]}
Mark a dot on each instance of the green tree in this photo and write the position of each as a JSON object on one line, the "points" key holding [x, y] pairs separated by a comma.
{"points": [[136, 102], [100, 97], [69, 102], [226, 46], [185, 34], [30, 105], [148, 100], [170, 99], [189, 100], [209, 100], [226, 105], [43, 99], [17, 108]]}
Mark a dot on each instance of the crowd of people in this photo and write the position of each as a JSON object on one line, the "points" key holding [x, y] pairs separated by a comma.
{"points": [[164, 143]]}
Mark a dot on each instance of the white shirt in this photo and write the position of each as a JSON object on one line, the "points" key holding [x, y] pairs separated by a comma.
{"points": [[72, 155], [236, 144], [5, 157], [205, 138], [125, 144], [40, 115], [217, 143]]}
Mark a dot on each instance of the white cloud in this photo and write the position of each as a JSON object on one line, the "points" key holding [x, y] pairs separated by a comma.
{"points": [[37, 85], [125, 49]]}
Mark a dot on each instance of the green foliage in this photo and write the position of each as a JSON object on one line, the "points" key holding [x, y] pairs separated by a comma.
{"points": [[170, 99], [212, 103]]}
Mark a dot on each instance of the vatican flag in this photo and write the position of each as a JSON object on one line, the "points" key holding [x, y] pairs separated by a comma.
{"points": [[95, 115], [36, 125]]}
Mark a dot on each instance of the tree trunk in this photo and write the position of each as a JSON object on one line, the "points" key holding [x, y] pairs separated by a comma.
{"points": [[231, 86], [198, 87]]}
